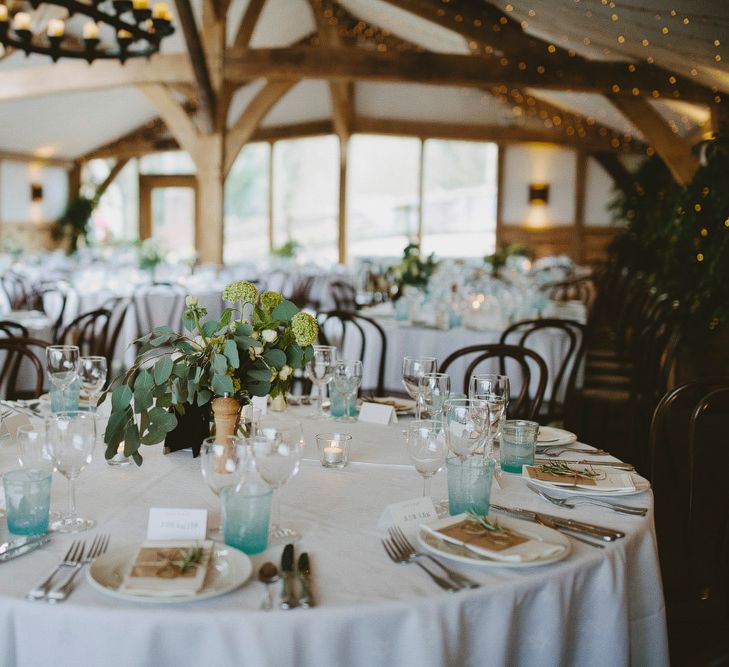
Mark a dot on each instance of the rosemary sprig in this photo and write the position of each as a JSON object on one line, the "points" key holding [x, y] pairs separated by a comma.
{"points": [[562, 469], [190, 559], [492, 526]]}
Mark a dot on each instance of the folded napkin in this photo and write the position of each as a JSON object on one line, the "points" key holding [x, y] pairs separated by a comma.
{"points": [[159, 570], [400, 405], [608, 480], [513, 546]]}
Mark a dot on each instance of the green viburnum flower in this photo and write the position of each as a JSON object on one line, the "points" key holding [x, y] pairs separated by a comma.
{"points": [[305, 328], [271, 299], [240, 290]]}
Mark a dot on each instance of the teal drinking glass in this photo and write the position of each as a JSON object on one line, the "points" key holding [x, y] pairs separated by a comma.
{"points": [[469, 483], [246, 511], [518, 444], [27, 500]]}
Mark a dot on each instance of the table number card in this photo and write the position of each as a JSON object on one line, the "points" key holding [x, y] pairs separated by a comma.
{"points": [[375, 413], [408, 515], [260, 403], [170, 523]]}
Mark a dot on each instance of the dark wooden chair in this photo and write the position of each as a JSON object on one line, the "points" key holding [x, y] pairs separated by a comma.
{"points": [[302, 291], [688, 463], [16, 290], [565, 379], [336, 325], [577, 289], [52, 298], [528, 362], [13, 329], [148, 317], [89, 331], [344, 295], [119, 309], [22, 354]]}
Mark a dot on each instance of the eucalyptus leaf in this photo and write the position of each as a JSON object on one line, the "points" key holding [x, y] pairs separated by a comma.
{"points": [[225, 317], [121, 397], [258, 388], [203, 397], [210, 327], [231, 353], [295, 355], [220, 363], [275, 357], [131, 439], [137, 458], [259, 374], [222, 384], [162, 370], [284, 311], [245, 342]]}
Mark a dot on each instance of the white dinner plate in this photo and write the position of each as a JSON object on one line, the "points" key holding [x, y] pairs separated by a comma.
{"points": [[641, 485], [228, 570], [439, 547], [549, 436]]}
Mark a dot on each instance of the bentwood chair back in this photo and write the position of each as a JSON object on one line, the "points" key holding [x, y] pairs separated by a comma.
{"points": [[577, 289], [688, 469], [11, 329], [159, 304], [567, 369], [16, 291], [119, 309], [357, 337], [89, 331], [526, 369], [344, 295], [22, 371]]}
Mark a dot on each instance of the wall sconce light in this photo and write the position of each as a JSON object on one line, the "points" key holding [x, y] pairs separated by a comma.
{"points": [[36, 192], [538, 194]]}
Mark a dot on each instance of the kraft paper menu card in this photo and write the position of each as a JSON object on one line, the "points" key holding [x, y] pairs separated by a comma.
{"points": [[581, 477]]}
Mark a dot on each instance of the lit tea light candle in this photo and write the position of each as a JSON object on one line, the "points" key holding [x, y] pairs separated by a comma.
{"points": [[333, 449], [141, 4], [123, 34], [91, 30], [21, 21], [56, 28], [333, 454], [3, 13], [160, 10]]}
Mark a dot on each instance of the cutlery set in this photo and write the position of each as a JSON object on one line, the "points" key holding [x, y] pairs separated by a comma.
{"points": [[73, 562], [290, 575], [21, 546]]}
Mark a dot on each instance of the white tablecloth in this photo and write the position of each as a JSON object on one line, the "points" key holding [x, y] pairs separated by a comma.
{"points": [[597, 607]]}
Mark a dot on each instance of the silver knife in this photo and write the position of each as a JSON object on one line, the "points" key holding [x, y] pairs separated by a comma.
{"points": [[606, 534], [618, 465], [306, 599], [288, 596], [18, 542], [24, 548]]}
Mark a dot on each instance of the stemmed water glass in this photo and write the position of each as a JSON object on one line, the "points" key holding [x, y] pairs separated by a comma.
{"points": [[347, 381], [277, 449], [62, 366], [320, 371], [466, 428], [222, 461], [436, 390], [71, 437], [413, 368], [92, 371], [494, 389], [427, 448]]}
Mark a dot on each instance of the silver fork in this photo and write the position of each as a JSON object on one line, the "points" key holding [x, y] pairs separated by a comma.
{"points": [[406, 546], [397, 556], [98, 547], [71, 559], [570, 503], [558, 450]]}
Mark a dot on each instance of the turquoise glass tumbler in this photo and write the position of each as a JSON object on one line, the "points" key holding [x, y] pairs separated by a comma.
{"points": [[27, 500], [518, 444], [246, 517], [469, 483], [68, 400], [338, 402]]}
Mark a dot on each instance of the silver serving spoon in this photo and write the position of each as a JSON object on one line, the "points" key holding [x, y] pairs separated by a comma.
{"points": [[268, 574]]}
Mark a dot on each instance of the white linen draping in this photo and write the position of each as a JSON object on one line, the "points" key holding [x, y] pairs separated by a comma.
{"points": [[597, 607]]}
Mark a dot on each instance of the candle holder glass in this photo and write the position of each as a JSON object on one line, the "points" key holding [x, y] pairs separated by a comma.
{"points": [[333, 449]]}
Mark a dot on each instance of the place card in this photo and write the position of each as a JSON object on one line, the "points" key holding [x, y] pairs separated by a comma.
{"points": [[408, 515], [376, 413], [170, 523], [260, 403]]}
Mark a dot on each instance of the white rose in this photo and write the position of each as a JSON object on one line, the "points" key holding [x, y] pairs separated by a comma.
{"points": [[190, 301], [269, 335], [258, 350], [284, 373]]}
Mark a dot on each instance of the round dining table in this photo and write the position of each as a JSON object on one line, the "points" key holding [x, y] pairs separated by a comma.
{"points": [[597, 606]]}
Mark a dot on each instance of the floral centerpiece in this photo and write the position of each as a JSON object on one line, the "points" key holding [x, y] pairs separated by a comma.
{"points": [[150, 255], [412, 270], [252, 350]]}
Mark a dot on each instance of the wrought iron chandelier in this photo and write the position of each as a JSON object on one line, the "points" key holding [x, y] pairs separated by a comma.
{"points": [[139, 29]]}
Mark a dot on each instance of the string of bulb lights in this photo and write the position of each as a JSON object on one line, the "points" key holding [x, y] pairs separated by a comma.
{"points": [[139, 29]]}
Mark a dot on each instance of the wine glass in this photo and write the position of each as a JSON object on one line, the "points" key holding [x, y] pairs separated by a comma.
{"points": [[427, 448], [347, 381], [34, 454], [466, 429], [413, 368], [92, 371], [320, 371], [436, 390], [71, 437], [494, 389], [222, 460], [277, 449], [62, 367]]}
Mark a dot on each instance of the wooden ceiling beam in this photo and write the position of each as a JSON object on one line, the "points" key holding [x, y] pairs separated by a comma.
{"points": [[255, 112], [27, 157], [248, 24], [205, 92], [440, 69], [672, 148]]}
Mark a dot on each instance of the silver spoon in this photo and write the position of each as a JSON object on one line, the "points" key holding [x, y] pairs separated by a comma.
{"points": [[268, 574]]}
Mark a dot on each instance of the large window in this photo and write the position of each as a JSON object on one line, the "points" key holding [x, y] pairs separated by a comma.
{"points": [[306, 196], [170, 162], [382, 194], [246, 205], [459, 198], [116, 217]]}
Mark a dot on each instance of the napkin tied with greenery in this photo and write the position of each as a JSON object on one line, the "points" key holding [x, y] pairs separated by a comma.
{"points": [[252, 350]]}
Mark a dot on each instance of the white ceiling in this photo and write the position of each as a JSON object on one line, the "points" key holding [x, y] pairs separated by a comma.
{"points": [[72, 125]]}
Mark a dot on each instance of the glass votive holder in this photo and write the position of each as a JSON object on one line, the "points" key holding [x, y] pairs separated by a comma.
{"points": [[27, 500], [333, 449], [518, 444]]}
